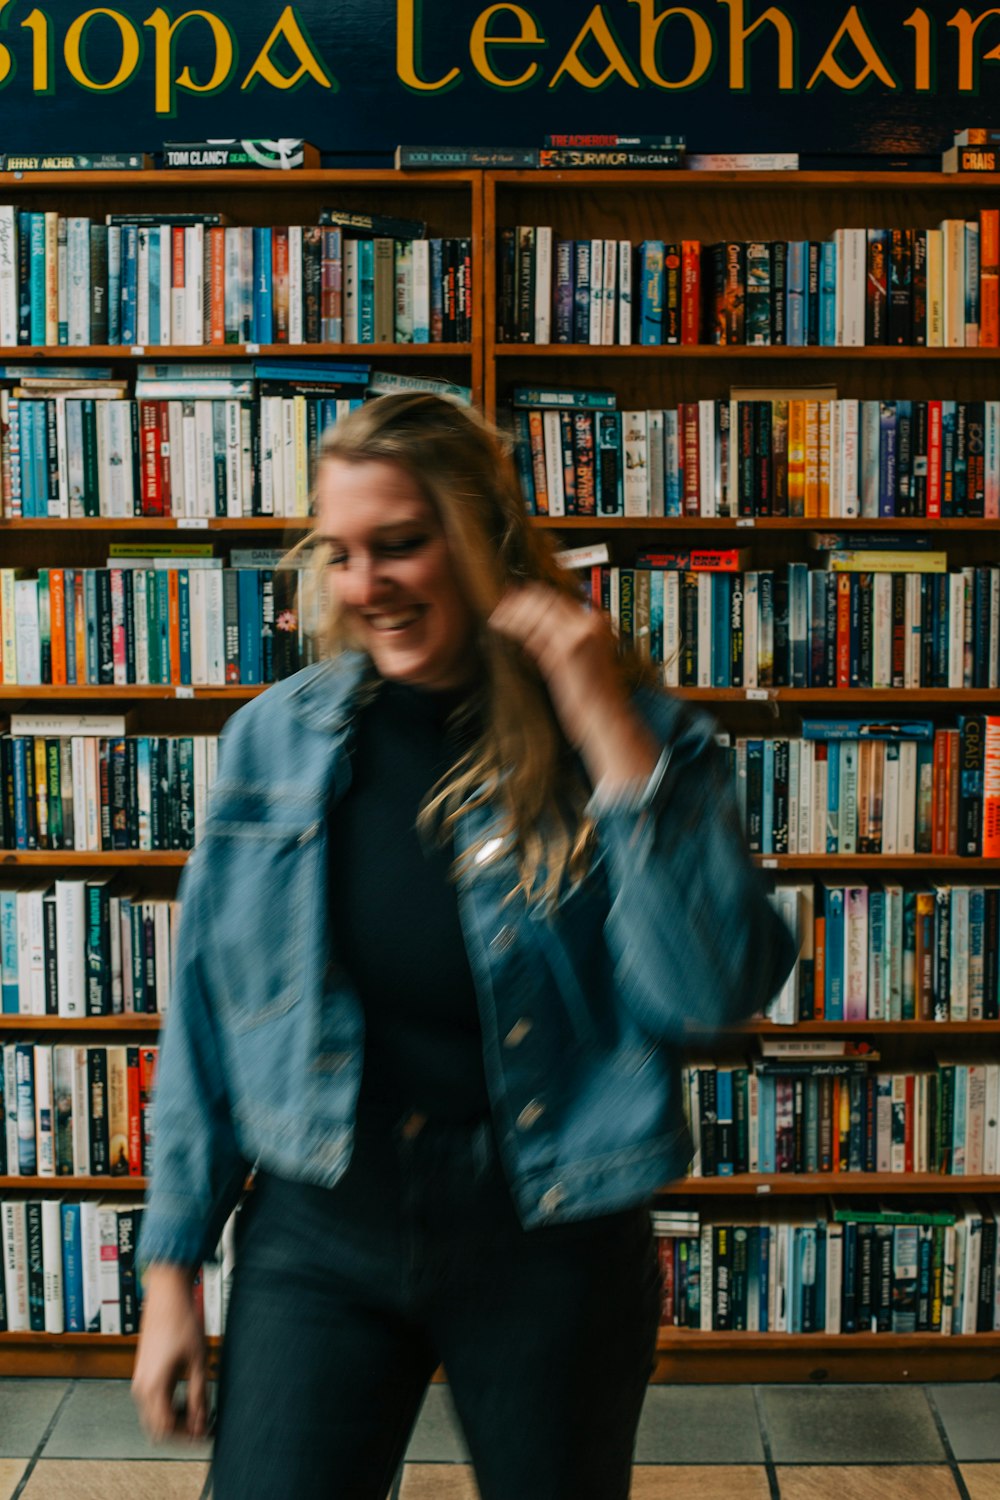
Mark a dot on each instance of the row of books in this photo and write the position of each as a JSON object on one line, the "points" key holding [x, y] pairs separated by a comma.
{"points": [[71, 1266], [790, 454], [890, 951], [174, 279], [933, 287], [85, 947], [834, 1115], [798, 627], [833, 1269], [851, 786], [77, 1111], [157, 620], [197, 448], [90, 792]]}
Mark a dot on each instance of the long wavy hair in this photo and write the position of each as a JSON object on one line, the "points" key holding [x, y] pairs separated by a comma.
{"points": [[517, 758]]}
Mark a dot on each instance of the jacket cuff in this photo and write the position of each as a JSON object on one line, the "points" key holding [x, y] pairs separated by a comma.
{"points": [[632, 797]]}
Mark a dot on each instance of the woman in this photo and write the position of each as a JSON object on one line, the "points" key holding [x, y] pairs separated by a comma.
{"points": [[461, 892]]}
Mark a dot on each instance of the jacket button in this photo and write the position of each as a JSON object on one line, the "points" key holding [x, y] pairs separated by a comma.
{"points": [[530, 1114], [551, 1200], [517, 1032], [503, 940]]}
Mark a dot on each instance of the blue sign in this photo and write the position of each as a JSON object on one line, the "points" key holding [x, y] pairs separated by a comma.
{"points": [[358, 77]]}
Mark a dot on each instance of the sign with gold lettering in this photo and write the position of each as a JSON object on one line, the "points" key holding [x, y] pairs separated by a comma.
{"points": [[357, 77]]}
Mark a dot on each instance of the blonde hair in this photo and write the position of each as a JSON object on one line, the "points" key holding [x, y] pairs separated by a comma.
{"points": [[520, 761]]}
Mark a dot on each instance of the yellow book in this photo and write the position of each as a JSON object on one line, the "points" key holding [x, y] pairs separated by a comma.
{"points": [[51, 278], [301, 506], [935, 289], [8, 635], [118, 1111], [875, 561], [796, 457], [811, 484]]}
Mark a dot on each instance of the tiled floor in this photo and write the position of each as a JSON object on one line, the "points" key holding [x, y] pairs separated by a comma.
{"points": [[78, 1440]]}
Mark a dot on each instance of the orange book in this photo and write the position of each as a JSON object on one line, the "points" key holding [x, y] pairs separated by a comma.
{"points": [[536, 436], [991, 790], [939, 793], [819, 968], [923, 968], [843, 630], [844, 1124], [279, 263], [864, 796], [80, 621], [134, 1113], [811, 485], [57, 624], [174, 619], [691, 292], [796, 457], [989, 278], [52, 276], [217, 285], [824, 458]]}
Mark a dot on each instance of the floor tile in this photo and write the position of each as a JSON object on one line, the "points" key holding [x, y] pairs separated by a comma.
{"points": [[100, 1421], [982, 1481], [438, 1482], [682, 1424], [437, 1437], [26, 1409], [850, 1424], [971, 1417], [675, 1482], [11, 1470], [96, 1479], [877, 1482]]}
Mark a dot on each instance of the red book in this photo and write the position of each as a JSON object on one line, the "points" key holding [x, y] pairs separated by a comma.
{"points": [[991, 790], [149, 473], [697, 560], [163, 456], [147, 1078], [279, 271], [989, 278], [690, 450], [665, 1252], [57, 625], [934, 460], [134, 1112], [843, 630], [691, 292], [939, 795], [953, 780], [174, 621]]}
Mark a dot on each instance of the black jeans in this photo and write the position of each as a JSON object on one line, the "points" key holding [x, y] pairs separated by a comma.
{"points": [[345, 1300]]}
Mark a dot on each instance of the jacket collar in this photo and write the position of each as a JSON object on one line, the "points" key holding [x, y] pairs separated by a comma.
{"points": [[326, 694]]}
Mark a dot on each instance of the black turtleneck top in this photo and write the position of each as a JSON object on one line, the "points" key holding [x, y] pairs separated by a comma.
{"points": [[394, 913]]}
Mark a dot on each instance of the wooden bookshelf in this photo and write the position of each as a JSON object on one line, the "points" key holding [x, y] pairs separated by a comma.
{"points": [[635, 205]]}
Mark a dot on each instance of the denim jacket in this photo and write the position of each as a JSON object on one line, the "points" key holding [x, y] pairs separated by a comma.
{"points": [[583, 1009]]}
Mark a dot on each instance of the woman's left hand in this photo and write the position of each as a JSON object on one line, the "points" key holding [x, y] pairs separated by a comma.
{"points": [[574, 650]]}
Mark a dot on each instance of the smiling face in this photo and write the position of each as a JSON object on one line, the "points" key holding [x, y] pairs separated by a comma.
{"points": [[391, 571]]}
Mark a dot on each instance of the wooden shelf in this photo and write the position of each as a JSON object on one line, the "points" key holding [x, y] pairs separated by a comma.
{"points": [[11, 692], [754, 523], [177, 180], [727, 353], [915, 863], [87, 524], [95, 1355], [849, 1028], [123, 1023], [157, 353], [826, 1184], [104, 858], [743, 182], [686, 1355], [51, 1185]]}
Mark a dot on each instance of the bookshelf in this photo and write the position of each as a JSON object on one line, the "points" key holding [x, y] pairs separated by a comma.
{"points": [[630, 205]]}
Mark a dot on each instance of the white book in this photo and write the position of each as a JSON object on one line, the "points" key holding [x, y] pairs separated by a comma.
{"points": [[91, 802], [991, 488], [956, 630], [906, 841], [834, 1275], [52, 1267], [991, 1135], [552, 437], [596, 331], [289, 482], [972, 1263], [350, 295], [234, 459], [140, 588], [194, 283], [78, 260], [90, 1258], [624, 292], [704, 652], [266, 422], [672, 629], [45, 1141], [707, 477], [8, 275], [71, 926], [142, 285], [890, 800], [958, 996], [421, 271], [204, 459], [27, 634], [214, 641], [165, 232], [609, 301], [654, 448], [750, 630], [107, 1278], [199, 654], [882, 634], [543, 285], [175, 454], [295, 320], [798, 805], [81, 1114], [161, 950], [8, 1055], [31, 956], [850, 503], [636, 468], [13, 1217]]}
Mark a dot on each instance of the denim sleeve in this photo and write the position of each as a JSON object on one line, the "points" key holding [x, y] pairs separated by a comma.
{"points": [[198, 1171], [695, 940]]}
